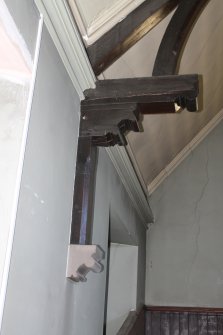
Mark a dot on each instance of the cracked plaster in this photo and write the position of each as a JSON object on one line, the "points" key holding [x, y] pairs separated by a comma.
{"points": [[184, 245]]}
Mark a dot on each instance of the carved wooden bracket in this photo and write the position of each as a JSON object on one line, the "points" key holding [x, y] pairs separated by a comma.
{"points": [[116, 107], [108, 112]]}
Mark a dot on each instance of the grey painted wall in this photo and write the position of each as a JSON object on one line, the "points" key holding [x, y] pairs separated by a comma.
{"points": [[15, 77], [184, 247], [40, 300], [36, 293]]}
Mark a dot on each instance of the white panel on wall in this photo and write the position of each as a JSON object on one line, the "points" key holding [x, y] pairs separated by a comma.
{"points": [[15, 76], [122, 285]]}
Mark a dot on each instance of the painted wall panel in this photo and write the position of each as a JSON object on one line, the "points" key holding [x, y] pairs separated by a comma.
{"points": [[122, 287], [165, 136], [37, 293], [184, 251], [12, 117], [16, 67]]}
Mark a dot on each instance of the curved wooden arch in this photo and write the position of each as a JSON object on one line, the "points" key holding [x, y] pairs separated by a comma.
{"points": [[176, 35]]}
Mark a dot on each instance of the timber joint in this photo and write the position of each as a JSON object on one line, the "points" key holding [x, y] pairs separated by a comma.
{"points": [[116, 107]]}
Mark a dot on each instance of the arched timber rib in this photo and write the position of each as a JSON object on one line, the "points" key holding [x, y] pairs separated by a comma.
{"points": [[126, 33], [176, 35]]}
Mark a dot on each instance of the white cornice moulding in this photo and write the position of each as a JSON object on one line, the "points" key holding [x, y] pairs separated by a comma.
{"points": [[61, 26], [185, 152], [106, 19]]}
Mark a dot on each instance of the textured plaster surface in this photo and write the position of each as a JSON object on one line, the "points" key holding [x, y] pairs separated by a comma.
{"points": [[184, 247]]}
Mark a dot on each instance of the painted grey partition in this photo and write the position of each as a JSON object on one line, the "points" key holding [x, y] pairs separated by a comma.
{"points": [[15, 86], [40, 300], [184, 251], [37, 289]]}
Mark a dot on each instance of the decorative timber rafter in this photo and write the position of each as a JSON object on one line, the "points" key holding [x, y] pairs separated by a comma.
{"points": [[116, 107], [126, 33]]}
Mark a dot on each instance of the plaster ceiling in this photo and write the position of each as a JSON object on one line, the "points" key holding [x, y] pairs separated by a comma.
{"points": [[165, 136]]}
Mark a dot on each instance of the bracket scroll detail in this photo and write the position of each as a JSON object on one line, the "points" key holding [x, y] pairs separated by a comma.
{"points": [[82, 259]]}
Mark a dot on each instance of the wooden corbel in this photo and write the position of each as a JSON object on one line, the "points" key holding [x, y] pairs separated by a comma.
{"points": [[116, 107], [108, 113]]}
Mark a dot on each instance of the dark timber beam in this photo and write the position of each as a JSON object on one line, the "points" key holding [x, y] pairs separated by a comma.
{"points": [[176, 35], [81, 231], [142, 90], [116, 106], [126, 33]]}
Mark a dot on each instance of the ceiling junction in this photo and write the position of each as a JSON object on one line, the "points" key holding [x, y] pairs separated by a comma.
{"points": [[116, 107]]}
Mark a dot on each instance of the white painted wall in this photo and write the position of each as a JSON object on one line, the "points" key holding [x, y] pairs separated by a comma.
{"points": [[36, 296], [122, 285], [184, 247], [12, 117], [15, 78], [91, 9]]}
